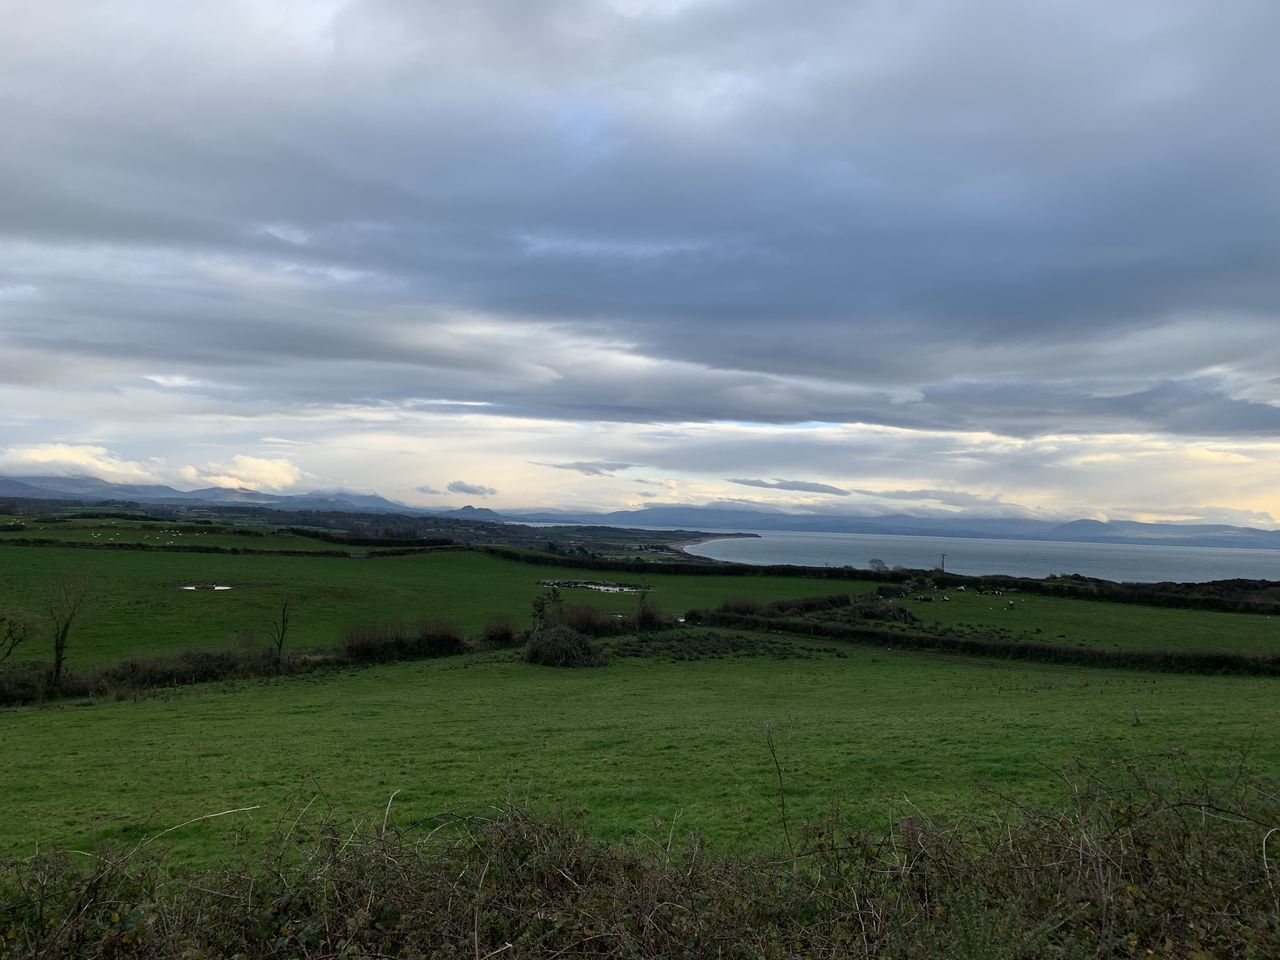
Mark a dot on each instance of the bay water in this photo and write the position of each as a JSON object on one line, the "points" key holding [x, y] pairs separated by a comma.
{"points": [[1135, 563]]}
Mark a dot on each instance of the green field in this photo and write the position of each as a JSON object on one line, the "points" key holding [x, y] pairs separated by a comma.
{"points": [[644, 739], [138, 607], [1116, 626], [158, 534], [631, 743]]}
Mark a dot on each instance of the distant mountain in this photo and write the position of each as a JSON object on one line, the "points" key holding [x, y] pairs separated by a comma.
{"points": [[22, 488], [980, 528], [92, 489], [665, 516], [472, 513], [1173, 534]]}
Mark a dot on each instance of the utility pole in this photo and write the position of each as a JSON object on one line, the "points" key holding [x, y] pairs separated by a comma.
{"points": [[943, 565]]}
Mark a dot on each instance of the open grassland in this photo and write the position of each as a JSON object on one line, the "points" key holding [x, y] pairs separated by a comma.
{"points": [[638, 741], [1089, 623], [137, 607]]}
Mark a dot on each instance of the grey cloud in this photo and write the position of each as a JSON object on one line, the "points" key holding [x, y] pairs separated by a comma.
{"points": [[806, 486], [1011, 219], [957, 498], [473, 489], [431, 490], [589, 468]]}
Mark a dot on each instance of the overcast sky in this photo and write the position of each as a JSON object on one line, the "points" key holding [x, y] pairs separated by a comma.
{"points": [[1002, 257]]}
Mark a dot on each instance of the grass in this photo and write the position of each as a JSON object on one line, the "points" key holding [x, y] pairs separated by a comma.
{"points": [[157, 534], [643, 745], [1093, 623], [138, 608]]}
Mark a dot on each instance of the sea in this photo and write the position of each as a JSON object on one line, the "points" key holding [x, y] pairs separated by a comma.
{"points": [[1133, 563]]}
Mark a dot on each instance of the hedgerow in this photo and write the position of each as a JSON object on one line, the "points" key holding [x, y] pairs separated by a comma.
{"points": [[1138, 859]]}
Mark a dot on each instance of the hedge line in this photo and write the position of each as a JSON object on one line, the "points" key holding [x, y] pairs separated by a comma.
{"points": [[1166, 661], [1137, 859], [231, 551], [1106, 591]]}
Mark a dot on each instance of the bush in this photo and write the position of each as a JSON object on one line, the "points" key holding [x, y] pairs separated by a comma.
{"points": [[583, 618], [185, 667], [24, 682], [384, 642], [780, 608], [561, 647], [501, 632], [1137, 859], [439, 637], [743, 606], [377, 642], [649, 616]]}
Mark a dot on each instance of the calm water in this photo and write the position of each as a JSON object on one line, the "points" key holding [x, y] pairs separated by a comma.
{"points": [[1019, 558]]}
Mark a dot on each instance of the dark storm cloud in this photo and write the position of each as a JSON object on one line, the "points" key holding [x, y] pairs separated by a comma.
{"points": [[805, 486], [1018, 218]]}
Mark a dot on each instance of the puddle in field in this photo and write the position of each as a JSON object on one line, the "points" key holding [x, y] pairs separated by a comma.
{"points": [[594, 585], [205, 586]]}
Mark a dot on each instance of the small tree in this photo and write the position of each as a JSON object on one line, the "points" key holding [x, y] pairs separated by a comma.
{"points": [[16, 628], [64, 600], [877, 565], [648, 616], [278, 628], [545, 606]]}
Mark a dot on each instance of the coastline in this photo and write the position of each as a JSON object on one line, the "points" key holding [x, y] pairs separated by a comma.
{"points": [[680, 545]]}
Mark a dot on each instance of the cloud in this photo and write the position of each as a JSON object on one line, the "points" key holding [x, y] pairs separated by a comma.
{"points": [[70, 459], [428, 490], [589, 468], [957, 498], [176, 381], [472, 489], [252, 473], [806, 486], [881, 234]]}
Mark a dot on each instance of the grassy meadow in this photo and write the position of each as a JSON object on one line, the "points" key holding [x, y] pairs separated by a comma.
{"points": [[631, 744], [1089, 623], [670, 734], [138, 607]]}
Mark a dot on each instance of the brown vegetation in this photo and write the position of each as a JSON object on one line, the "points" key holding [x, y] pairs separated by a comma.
{"points": [[1140, 858]]}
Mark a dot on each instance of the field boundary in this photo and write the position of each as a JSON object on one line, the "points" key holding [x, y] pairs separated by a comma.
{"points": [[1164, 661], [1069, 588]]}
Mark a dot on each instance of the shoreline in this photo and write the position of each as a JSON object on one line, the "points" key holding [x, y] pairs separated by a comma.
{"points": [[680, 545]]}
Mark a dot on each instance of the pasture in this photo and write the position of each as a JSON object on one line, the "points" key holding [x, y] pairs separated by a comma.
{"points": [[642, 746], [138, 607], [672, 734], [1089, 623]]}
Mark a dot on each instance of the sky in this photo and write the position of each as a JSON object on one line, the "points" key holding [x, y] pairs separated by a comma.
{"points": [[994, 258]]}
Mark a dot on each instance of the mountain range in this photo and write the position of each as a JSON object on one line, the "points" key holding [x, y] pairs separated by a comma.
{"points": [[93, 489], [665, 516], [982, 528]]}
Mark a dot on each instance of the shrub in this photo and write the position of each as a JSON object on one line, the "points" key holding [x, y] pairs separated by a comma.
{"points": [[1137, 859], [649, 616], [24, 682], [184, 667], [780, 608], [743, 606], [560, 646], [583, 618], [439, 637], [501, 631], [377, 642]]}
